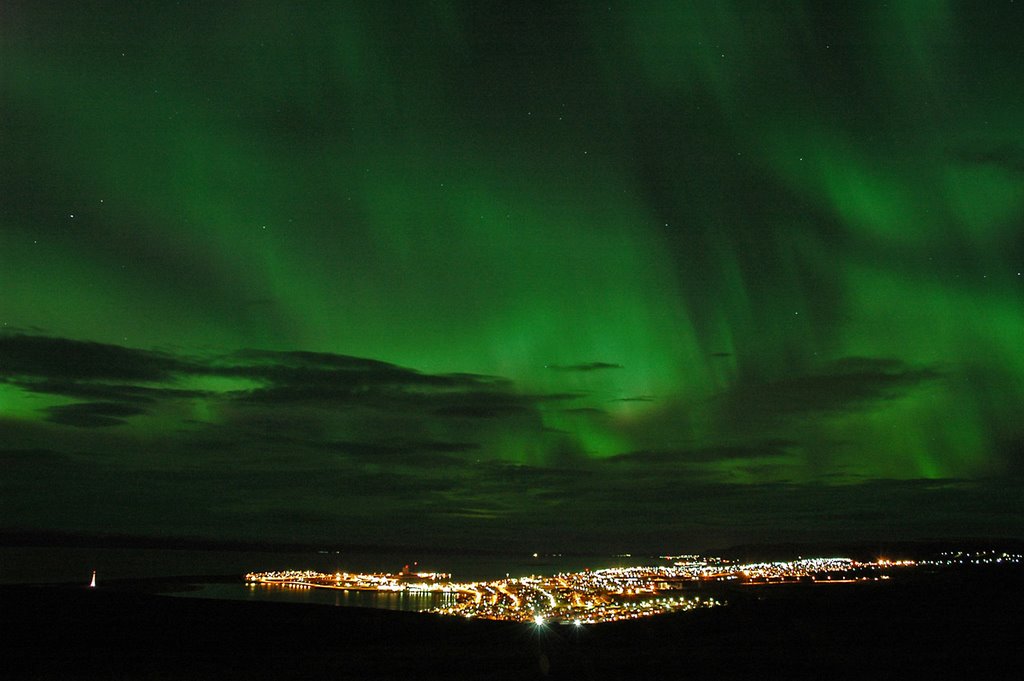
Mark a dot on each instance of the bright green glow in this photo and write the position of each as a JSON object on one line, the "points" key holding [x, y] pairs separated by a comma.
{"points": [[986, 201], [18, 404], [667, 227]]}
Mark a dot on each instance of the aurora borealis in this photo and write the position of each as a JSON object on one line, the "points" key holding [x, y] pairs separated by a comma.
{"points": [[512, 274]]}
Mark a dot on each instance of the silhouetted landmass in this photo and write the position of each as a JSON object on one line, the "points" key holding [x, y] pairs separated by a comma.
{"points": [[866, 550], [19, 537], [51, 538], [858, 550], [963, 623]]}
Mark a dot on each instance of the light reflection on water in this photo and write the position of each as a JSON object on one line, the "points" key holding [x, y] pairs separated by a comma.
{"points": [[389, 600]]}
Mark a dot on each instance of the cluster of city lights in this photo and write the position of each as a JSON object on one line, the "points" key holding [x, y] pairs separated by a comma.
{"points": [[570, 598], [615, 594], [376, 581], [591, 596], [990, 557]]}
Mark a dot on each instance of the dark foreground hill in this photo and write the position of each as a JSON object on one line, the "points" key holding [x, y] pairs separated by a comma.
{"points": [[942, 626]]}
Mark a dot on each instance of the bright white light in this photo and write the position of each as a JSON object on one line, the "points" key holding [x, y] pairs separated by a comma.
{"points": [[538, 620], [578, 623]]}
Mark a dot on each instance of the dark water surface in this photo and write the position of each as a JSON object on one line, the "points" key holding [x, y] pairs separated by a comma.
{"points": [[405, 600], [34, 565]]}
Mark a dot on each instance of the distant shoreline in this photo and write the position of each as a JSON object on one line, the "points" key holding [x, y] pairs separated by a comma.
{"points": [[950, 628], [855, 548]]}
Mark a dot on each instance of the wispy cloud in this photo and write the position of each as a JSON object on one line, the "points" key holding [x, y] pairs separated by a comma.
{"points": [[586, 366]]}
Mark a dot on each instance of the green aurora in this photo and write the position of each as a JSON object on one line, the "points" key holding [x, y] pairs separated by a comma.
{"points": [[556, 273]]}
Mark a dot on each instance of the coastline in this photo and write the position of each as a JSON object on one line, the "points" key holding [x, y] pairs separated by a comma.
{"points": [[947, 628]]}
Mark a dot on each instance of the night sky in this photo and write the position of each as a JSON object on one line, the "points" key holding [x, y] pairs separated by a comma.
{"points": [[541, 275]]}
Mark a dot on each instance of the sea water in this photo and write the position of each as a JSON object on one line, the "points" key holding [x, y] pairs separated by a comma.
{"points": [[47, 565], [390, 600]]}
